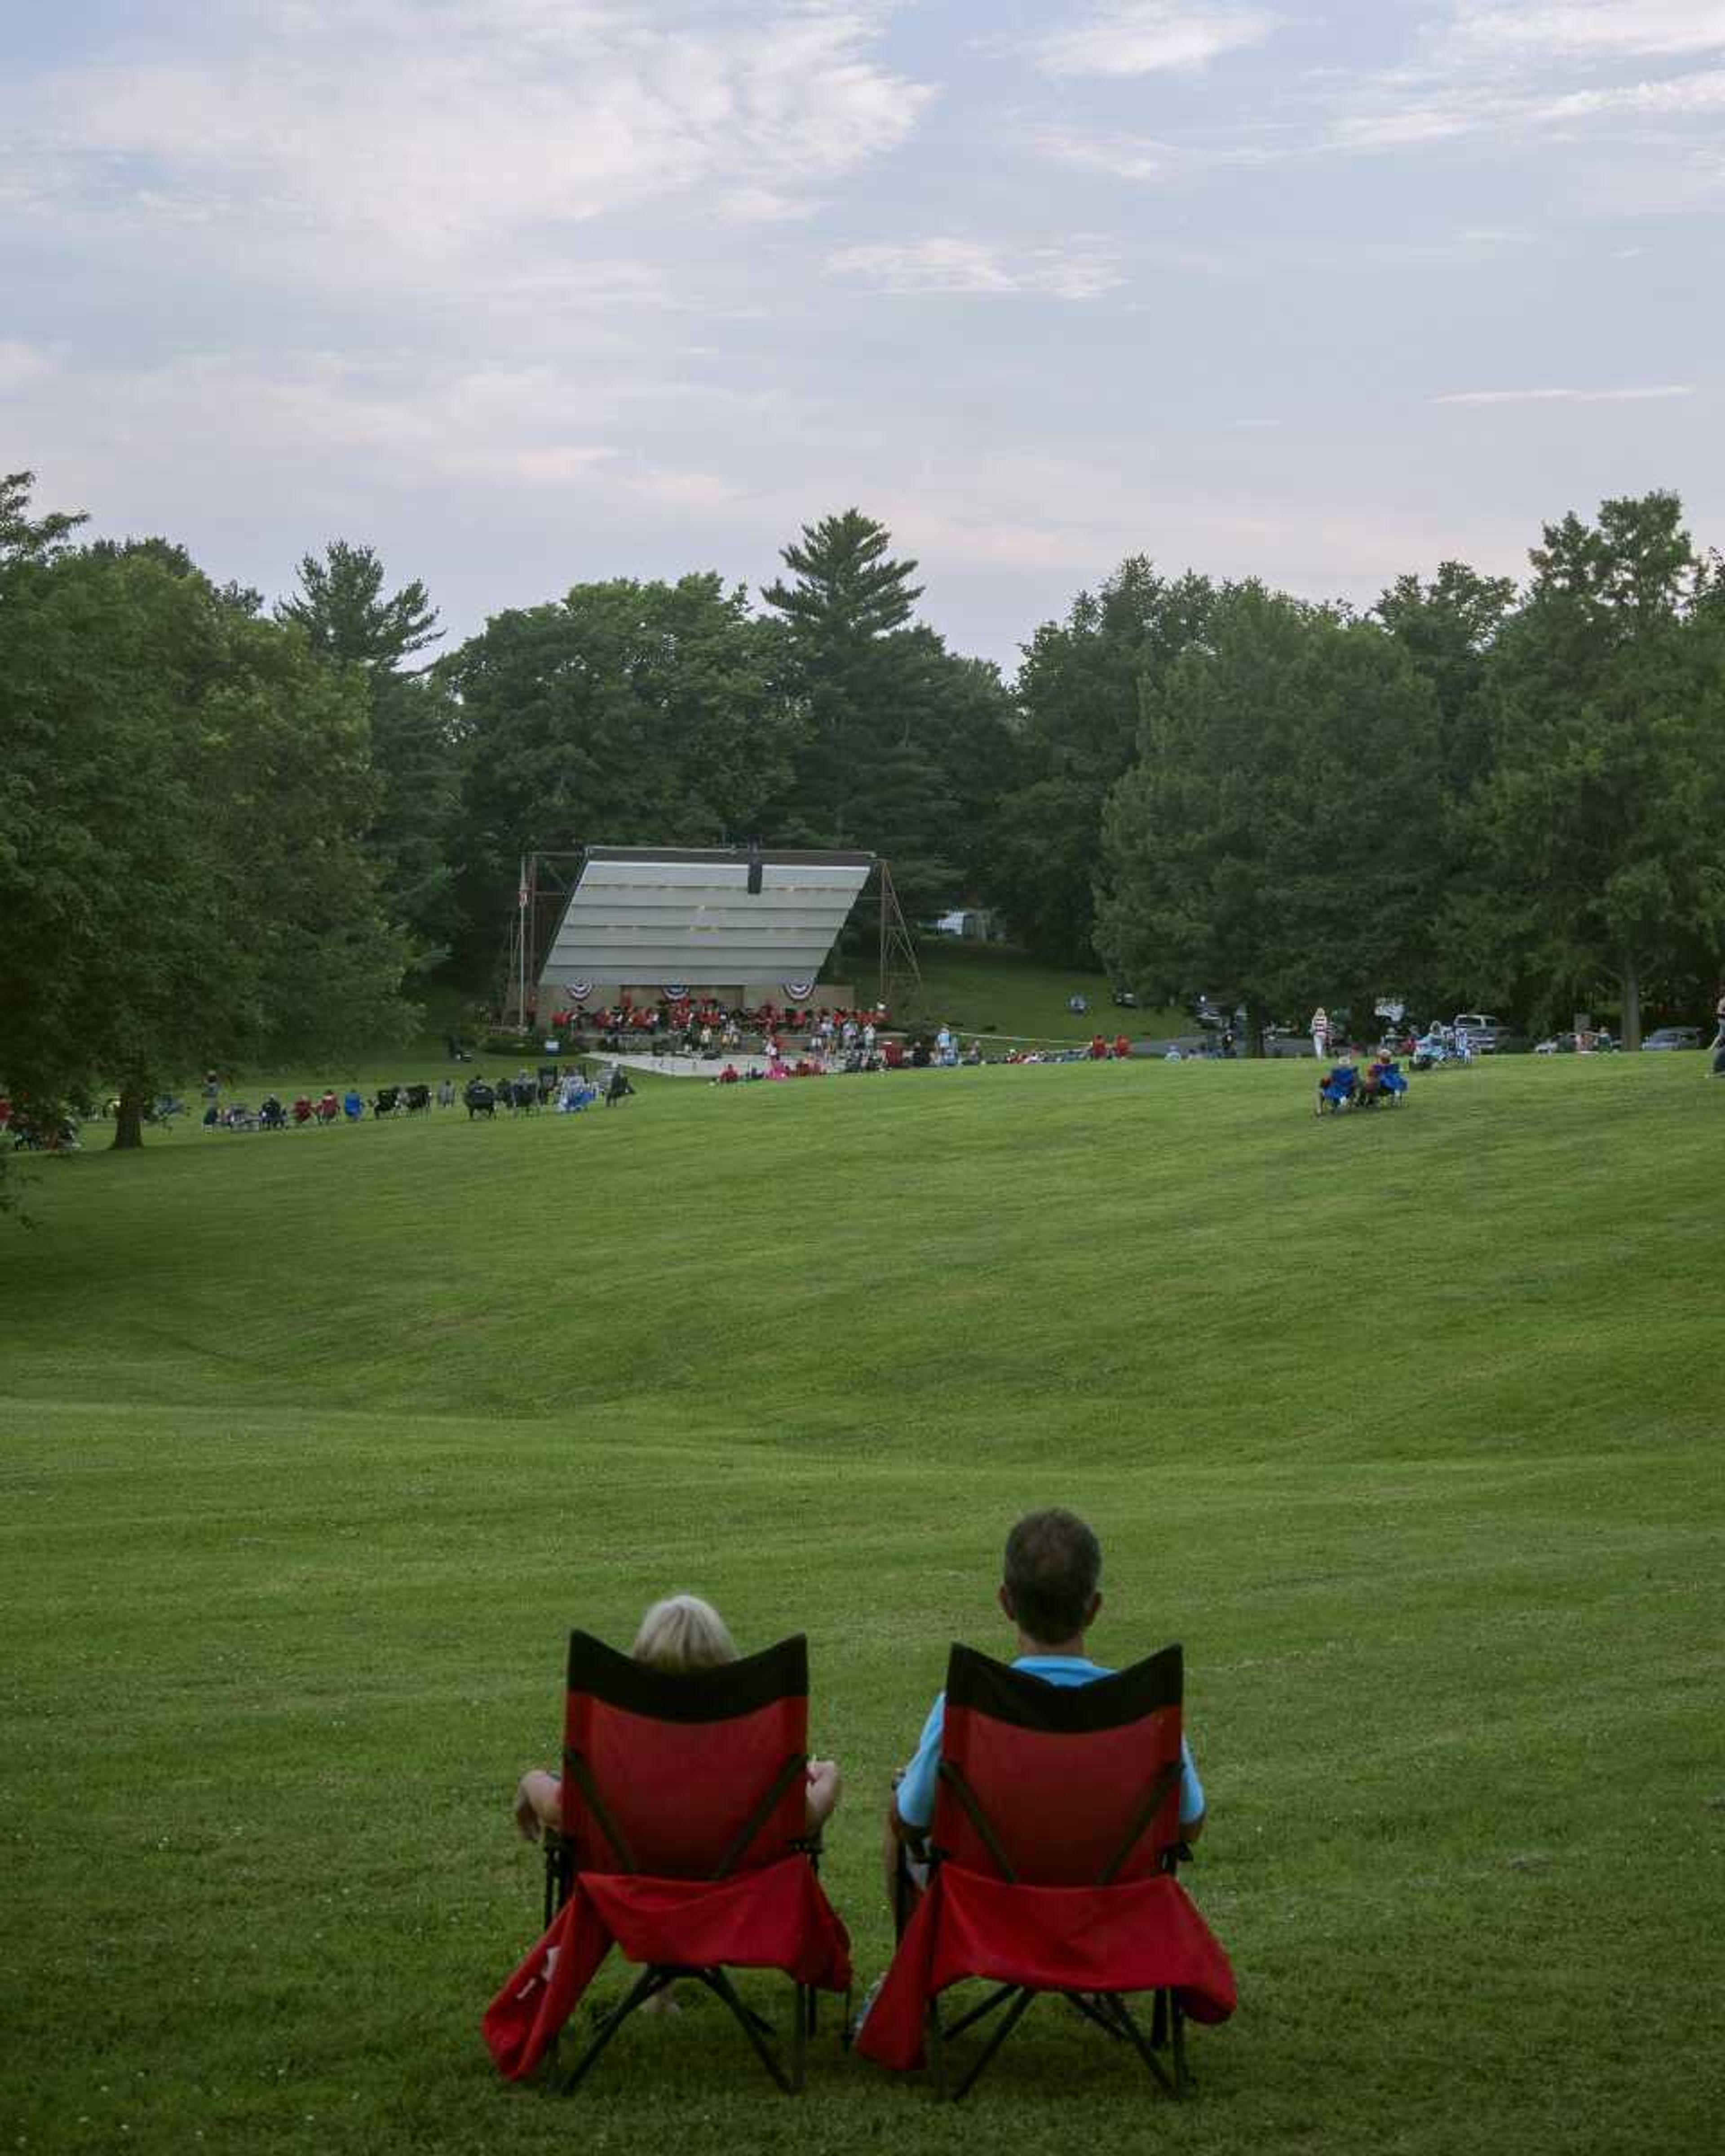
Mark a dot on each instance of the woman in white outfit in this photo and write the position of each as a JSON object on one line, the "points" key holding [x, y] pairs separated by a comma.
{"points": [[1320, 1032]]}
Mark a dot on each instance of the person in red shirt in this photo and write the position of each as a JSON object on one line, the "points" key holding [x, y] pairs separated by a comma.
{"points": [[1122, 1047], [1098, 1048]]}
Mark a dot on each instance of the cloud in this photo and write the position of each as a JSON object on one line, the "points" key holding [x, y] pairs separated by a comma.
{"points": [[1121, 157], [19, 365], [1145, 37], [1481, 108], [397, 423], [1702, 93], [355, 146], [1144, 158], [1586, 29], [1406, 129], [969, 266], [1648, 395]]}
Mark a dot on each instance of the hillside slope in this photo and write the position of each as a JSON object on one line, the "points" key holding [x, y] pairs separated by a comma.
{"points": [[312, 1446]]}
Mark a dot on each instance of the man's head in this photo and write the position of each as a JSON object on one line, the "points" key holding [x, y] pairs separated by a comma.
{"points": [[1049, 1585]]}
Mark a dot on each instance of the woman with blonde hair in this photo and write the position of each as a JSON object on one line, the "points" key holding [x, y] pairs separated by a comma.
{"points": [[679, 1636]]}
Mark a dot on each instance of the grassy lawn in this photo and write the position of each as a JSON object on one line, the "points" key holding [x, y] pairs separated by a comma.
{"points": [[313, 1445], [982, 988]]}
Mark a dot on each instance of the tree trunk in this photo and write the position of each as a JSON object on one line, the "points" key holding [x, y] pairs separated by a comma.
{"points": [[129, 1121], [1631, 1003]]}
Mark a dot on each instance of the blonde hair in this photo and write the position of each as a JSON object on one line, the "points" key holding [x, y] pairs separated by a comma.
{"points": [[681, 1633]]}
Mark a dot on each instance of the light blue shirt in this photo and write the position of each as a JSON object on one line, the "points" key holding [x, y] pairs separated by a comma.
{"points": [[916, 1791]]}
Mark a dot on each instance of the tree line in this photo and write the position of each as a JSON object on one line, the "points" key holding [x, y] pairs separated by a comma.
{"points": [[226, 830]]}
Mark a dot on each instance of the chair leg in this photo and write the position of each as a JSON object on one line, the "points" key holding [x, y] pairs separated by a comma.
{"points": [[651, 1981], [1145, 2048], [718, 1982], [979, 2013], [1095, 2008], [1008, 2021], [937, 2052], [1182, 2079]]}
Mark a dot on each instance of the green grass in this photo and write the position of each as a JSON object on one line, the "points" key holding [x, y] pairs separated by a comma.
{"points": [[312, 1446], [982, 987]]}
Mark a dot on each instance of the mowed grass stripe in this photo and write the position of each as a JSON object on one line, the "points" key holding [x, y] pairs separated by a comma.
{"points": [[312, 1446]]}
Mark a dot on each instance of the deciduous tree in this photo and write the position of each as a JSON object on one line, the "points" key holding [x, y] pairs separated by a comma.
{"points": [[1078, 693], [1608, 791], [625, 713], [1266, 843], [180, 868]]}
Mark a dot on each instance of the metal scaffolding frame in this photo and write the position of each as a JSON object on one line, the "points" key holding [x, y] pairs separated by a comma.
{"points": [[548, 874]]}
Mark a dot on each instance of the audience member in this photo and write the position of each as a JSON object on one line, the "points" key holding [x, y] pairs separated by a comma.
{"points": [[679, 1636], [1050, 1592]]}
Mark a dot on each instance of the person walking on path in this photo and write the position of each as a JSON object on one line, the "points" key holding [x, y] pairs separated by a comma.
{"points": [[1320, 1032]]}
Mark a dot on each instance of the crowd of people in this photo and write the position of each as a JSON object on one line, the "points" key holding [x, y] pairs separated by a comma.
{"points": [[793, 1042], [702, 1026], [567, 1088]]}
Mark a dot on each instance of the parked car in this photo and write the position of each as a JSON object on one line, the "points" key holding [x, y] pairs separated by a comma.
{"points": [[1126, 999], [1483, 1031], [1674, 1036]]}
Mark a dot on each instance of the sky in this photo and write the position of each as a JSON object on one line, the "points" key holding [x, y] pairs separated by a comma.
{"points": [[525, 293]]}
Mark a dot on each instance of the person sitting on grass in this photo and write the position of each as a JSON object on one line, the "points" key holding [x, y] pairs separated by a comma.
{"points": [[679, 1636], [1050, 1593]]}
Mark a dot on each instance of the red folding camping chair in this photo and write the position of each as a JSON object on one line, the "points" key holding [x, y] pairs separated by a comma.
{"points": [[1052, 1855], [683, 1843]]}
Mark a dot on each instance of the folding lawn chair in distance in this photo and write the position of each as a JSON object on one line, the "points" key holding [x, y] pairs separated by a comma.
{"points": [[1052, 1855], [685, 1843]]}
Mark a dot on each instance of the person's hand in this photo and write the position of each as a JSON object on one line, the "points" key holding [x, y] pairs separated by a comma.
{"points": [[537, 1798], [825, 1785]]}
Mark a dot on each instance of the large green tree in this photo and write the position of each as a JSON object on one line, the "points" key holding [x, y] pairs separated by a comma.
{"points": [[181, 873], [352, 619], [895, 726], [1601, 863], [1078, 696], [624, 713], [841, 606], [1448, 626], [26, 541], [349, 617], [1268, 842]]}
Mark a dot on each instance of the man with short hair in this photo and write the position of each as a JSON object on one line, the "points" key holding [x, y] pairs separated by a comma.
{"points": [[1050, 1591]]}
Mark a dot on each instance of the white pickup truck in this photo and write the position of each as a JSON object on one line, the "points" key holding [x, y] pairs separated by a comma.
{"points": [[1483, 1031]]}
